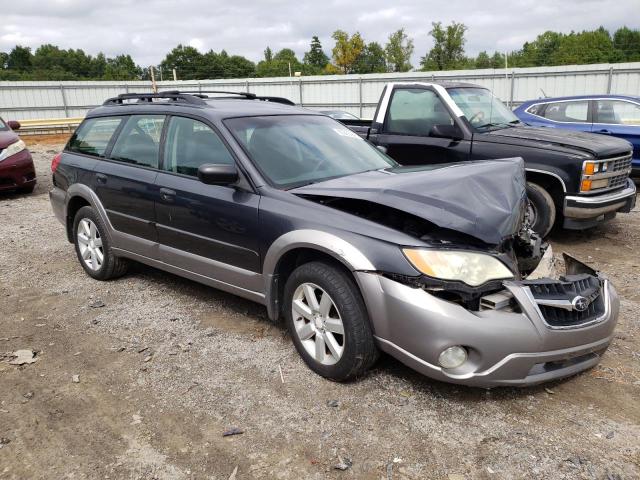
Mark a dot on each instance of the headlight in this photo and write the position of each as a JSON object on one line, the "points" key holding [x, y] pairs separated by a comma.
{"points": [[469, 267], [12, 149]]}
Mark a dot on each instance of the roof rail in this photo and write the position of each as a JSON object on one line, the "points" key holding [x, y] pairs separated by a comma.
{"points": [[247, 95], [175, 96]]}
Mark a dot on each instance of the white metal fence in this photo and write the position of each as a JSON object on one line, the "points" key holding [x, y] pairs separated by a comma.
{"points": [[357, 94]]}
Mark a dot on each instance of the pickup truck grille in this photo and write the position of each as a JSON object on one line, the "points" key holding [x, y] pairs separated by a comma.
{"points": [[569, 303], [610, 173]]}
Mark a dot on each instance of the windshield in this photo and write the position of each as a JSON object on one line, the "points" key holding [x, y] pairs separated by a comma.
{"points": [[295, 150], [482, 109]]}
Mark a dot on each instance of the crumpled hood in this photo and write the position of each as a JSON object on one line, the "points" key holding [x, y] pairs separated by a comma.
{"points": [[596, 145], [484, 199]]}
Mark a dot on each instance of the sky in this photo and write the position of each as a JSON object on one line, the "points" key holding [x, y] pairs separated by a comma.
{"points": [[147, 30]]}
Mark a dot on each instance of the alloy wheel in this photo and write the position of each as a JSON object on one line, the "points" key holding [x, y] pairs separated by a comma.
{"points": [[318, 323], [90, 244]]}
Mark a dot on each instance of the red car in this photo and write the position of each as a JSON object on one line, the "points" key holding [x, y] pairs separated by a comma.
{"points": [[16, 165]]}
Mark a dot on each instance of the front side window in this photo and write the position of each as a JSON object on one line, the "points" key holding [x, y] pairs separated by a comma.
{"points": [[139, 141], [3, 126], [93, 136], [483, 110], [617, 112], [191, 143], [414, 111], [294, 150], [568, 112]]}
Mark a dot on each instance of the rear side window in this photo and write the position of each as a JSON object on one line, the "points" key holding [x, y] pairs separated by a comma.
{"points": [[139, 141], [94, 135], [191, 143], [416, 111], [570, 112], [536, 109]]}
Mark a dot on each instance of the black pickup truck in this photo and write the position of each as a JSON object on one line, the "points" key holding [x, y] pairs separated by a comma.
{"points": [[574, 179]]}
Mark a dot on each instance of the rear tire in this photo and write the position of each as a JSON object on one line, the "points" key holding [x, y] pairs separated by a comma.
{"points": [[542, 209], [328, 321], [28, 189], [93, 246]]}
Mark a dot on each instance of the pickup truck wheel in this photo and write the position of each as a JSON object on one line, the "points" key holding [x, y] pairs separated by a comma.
{"points": [[541, 209], [93, 246], [328, 322]]}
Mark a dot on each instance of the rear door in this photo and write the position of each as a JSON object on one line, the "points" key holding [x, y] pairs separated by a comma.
{"points": [[406, 133], [124, 182], [620, 119], [199, 222]]}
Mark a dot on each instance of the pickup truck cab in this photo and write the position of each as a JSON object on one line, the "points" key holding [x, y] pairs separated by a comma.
{"points": [[574, 179]]}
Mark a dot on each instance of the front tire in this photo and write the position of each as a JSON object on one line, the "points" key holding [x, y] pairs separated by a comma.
{"points": [[542, 209], [328, 322], [93, 246]]}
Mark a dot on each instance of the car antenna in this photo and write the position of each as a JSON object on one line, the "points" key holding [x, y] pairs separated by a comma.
{"points": [[543, 93]]}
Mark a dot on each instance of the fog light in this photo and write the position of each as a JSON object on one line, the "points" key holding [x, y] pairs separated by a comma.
{"points": [[452, 357]]}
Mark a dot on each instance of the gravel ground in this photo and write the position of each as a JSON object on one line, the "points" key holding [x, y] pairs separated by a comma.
{"points": [[164, 366]]}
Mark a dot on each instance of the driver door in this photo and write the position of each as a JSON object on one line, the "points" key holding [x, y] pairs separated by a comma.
{"points": [[407, 132]]}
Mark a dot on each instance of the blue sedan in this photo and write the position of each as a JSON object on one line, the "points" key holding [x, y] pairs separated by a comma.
{"points": [[617, 115]]}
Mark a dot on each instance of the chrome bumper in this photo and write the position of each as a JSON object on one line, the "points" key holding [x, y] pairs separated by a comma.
{"points": [[594, 209], [505, 348]]}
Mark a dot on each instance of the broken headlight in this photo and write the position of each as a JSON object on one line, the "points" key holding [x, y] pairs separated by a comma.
{"points": [[472, 268]]}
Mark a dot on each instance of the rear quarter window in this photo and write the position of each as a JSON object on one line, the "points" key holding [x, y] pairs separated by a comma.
{"points": [[93, 136]]}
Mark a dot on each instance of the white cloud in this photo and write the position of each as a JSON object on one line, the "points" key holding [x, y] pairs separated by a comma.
{"points": [[149, 29]]}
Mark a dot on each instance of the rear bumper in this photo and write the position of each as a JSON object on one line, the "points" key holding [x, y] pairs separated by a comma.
{"points": [[17, 171], [504, 348], [585, 212], [57, 197]]}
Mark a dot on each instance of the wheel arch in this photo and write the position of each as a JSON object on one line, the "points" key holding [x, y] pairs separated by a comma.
{"points": [[551, 182], [301, 246], [78, 196]]}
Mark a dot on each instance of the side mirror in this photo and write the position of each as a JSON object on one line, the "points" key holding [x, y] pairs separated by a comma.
{"points": [[14, 125], [217, 174], [446, 131]]}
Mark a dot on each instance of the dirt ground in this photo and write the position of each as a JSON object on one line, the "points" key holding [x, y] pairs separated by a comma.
{"points": [[166, 365]]}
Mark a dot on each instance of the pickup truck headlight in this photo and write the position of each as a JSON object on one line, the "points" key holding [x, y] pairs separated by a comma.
{"points": [[607, 173], [469, 267], [15, 147]]}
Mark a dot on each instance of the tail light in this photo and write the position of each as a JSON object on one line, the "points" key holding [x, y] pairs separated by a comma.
{"points": [[55, 162]]}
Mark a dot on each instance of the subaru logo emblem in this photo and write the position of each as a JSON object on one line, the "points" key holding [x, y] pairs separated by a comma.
{"points": [[580, 303]]}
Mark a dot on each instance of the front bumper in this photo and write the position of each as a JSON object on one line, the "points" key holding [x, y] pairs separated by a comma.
{"points": [[587, 211], [505, 348], [17, 171]]}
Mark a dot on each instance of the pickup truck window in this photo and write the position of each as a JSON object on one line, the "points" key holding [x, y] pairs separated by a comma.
{"points": [[414, 111], [295, 150], [482, 109]]}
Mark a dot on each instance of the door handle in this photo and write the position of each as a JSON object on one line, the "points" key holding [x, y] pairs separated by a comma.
{"points": [[604, 131], [101, 178], [167, 194]]}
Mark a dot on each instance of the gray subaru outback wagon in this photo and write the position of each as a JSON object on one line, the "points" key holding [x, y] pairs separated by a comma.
{"points": [[434, 265]]}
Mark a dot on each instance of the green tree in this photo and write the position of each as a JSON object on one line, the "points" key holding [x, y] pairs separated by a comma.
{"points": [[122, 67], [346, 50], [448, 49], [268, 54], [315, 60], [187, 60], [627, 42], [398, 51], [4, 57], [280, 65], [19, 59], [371, 60]]}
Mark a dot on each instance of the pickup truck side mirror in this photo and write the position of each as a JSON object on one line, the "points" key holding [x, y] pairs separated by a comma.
{"points": [[14, 125], [218, 174], [446, 131]]}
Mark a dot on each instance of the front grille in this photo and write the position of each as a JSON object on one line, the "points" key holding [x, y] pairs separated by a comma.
{"points": [[554, 299], [619, 164]]}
